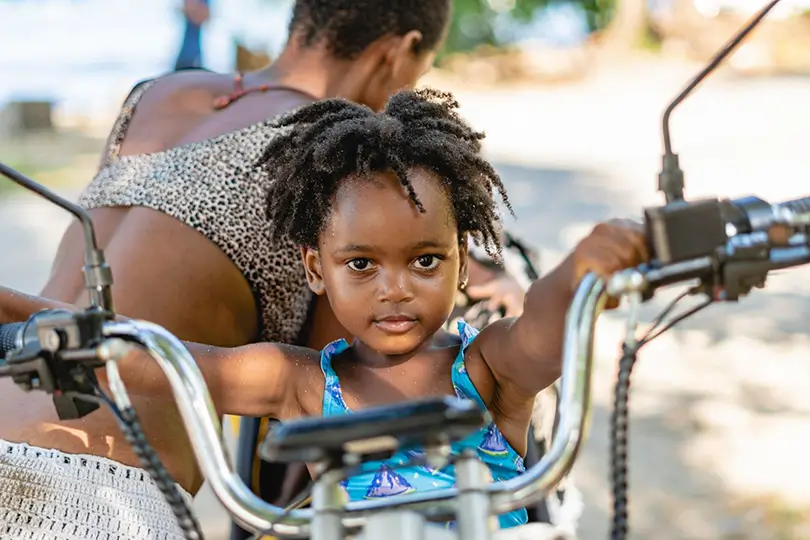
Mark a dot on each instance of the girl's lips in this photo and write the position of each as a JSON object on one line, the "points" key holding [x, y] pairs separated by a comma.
{"points": [[395, 325]]}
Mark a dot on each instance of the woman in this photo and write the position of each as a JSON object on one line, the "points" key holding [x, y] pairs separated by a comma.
{"points": [[178, 208]]}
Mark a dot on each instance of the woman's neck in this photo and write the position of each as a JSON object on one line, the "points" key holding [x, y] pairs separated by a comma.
{"points": [[311, 70]]}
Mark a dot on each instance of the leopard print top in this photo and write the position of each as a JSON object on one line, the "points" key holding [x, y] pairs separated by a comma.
{"points": [[213, 187]]}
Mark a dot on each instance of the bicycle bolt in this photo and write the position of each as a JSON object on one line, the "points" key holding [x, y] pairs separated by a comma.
{"points": [[51, 340]]}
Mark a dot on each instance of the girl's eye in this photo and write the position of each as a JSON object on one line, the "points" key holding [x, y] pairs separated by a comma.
{"points": [[427, 262], [359, 265]]}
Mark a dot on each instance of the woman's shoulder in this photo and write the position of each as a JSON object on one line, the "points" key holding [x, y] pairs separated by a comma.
{"points": [[187, 83], [180, 108], [196, 84], [159, 112], [181, 94]]}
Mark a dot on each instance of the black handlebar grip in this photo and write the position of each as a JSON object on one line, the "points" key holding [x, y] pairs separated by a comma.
{"points": [[8, 337]]}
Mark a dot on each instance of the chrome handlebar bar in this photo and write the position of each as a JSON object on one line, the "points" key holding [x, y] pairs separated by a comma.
{"points": [[252, 513]]}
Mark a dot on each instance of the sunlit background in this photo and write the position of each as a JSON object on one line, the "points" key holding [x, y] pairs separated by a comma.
{"points": [[570, 94]]}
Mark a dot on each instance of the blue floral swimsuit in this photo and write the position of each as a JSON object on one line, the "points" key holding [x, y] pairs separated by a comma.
{"points": [[391, 477]]}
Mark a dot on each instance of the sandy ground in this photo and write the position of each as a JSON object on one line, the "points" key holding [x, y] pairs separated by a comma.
{"points": [[719, 407]]}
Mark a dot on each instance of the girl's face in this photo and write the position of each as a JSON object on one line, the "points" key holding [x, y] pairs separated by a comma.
{"points": [[390, 272]]}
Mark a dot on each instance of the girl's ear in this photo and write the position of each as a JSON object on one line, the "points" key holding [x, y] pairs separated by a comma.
{"points": [[312, 265], [463, 259]]}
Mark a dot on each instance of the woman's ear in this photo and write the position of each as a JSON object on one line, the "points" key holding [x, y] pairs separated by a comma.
{"points": [[312, 266], [385, 67], [463, 262], [401, 57]]}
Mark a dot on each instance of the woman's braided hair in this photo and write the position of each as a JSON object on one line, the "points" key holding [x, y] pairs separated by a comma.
{"points": [[333, 139]]}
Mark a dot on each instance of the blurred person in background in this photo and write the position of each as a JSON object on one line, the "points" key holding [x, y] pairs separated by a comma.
{"points": [[179, 209], [195, 14]]}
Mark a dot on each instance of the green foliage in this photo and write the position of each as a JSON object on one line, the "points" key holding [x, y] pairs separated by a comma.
{"points": [[473, 20], [470, 26], [599, 12]]}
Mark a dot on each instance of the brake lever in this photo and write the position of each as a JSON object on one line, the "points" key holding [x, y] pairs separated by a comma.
{"points": [[66, 375], [58, 356]]}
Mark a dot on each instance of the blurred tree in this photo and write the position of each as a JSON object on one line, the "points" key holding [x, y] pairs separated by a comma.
{"points": [[600, 12], [470, 27], [473, 21]]}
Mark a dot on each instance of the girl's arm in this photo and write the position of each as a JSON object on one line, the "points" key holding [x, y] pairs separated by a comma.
{"points": [[17, 307], [524, 354], [253, 380]]}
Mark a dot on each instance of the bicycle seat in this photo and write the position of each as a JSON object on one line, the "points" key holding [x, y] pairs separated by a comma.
{"points": [[375, 432]]}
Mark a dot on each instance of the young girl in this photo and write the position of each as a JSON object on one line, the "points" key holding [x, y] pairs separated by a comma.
{"points": [[382, 205]]}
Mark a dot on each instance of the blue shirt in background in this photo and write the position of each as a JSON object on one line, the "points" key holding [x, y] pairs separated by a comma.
{"points": [[190, 55]]}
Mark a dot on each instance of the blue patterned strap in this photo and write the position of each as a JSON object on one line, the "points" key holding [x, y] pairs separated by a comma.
{"points": [[332, 394], [462, 383]]}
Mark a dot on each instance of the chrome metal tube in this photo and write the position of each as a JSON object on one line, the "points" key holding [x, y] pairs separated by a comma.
{"points": [[252, 513], [473, 478], [328, 499], [574, 408], [205, 431]]}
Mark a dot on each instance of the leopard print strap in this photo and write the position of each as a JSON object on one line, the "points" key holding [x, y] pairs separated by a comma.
{"points": [[119, 130]]}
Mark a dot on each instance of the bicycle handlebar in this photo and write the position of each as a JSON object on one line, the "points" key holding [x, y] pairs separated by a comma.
{"points": [[200, 419], [205, 430], [252, 513]]}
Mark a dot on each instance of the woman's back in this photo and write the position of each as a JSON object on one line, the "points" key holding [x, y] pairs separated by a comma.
{"points": [[212, 185], [178, 257], [177, 176]]}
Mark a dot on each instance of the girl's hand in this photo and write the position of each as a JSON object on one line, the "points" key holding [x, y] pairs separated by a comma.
{"points": [[612, 246], [502, 292]]}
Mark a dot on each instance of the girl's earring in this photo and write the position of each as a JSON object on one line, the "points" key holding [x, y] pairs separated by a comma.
{"points": [[462, 285]]}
